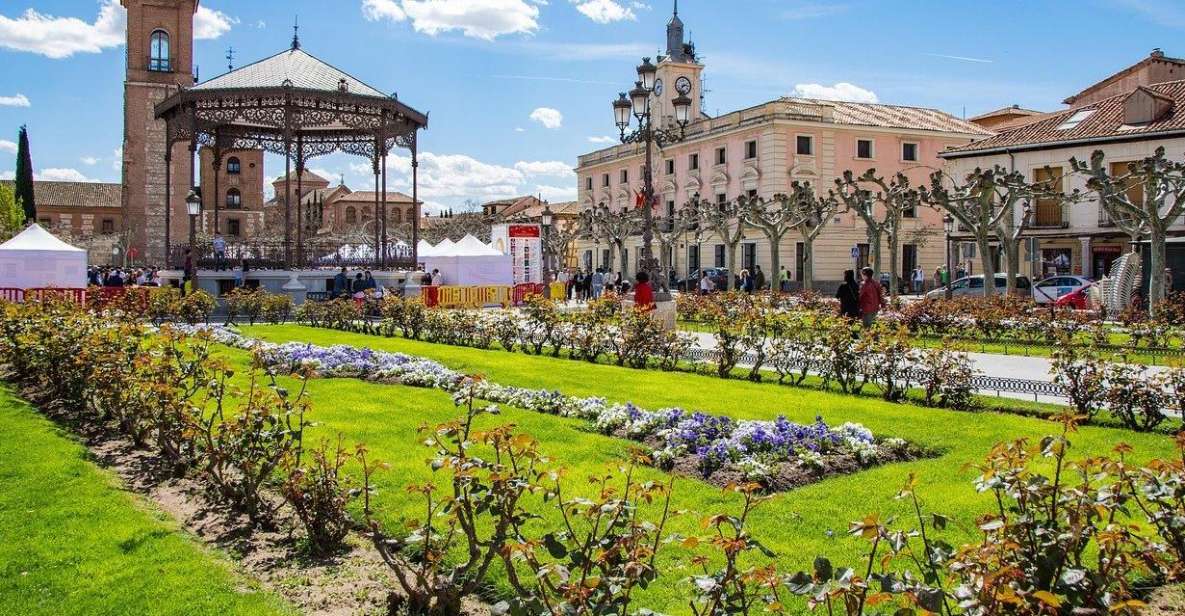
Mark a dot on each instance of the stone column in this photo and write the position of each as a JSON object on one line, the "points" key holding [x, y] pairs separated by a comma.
{"points": [[1087, 257], [296, 289]]}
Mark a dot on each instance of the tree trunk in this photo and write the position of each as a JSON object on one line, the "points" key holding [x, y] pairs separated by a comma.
{"points": [[874, 254], [608, 263], [1011, 250], [989, 268], [808, 263], [1156, 260], [731, 250], [625, 266], [775, 252], [894, 277]]}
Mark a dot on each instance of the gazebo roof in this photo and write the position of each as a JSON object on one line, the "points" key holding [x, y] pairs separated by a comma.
{"points": [[300, 68]]}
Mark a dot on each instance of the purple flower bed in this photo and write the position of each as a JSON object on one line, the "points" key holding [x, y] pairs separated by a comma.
{"points": [[754, 450]]}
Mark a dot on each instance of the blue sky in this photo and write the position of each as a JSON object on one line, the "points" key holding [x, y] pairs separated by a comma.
{"points": [[483, 68]]}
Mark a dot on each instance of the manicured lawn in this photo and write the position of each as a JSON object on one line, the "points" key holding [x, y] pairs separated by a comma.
{"points": [[797, 524], [72, 542]]}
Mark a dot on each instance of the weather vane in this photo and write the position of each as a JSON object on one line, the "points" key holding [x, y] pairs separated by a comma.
{"points": [[230, 58]]}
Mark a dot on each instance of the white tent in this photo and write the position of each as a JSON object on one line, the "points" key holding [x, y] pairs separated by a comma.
{"points": [[469, 262], [36, 259]]}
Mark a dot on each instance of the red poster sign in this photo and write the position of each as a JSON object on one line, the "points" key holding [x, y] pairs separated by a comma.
{"points": [[523, 231]]}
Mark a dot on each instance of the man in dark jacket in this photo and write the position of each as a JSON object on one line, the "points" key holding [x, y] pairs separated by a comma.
{"points": [[341, 284]]}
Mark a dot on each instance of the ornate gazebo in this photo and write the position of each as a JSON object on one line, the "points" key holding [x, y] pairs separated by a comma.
{"points": [[295, 105]]}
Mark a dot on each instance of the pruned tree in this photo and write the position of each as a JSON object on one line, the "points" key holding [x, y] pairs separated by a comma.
{"points": [[724, 221], [775, 218], [1160, 203], [455, 227], [814, 213], [667, 232], [991, 204], [615, 228], [559, 240], [882, 211]]}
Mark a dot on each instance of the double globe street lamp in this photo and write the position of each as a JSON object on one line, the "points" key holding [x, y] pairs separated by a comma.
{"points": [[638, 105]]}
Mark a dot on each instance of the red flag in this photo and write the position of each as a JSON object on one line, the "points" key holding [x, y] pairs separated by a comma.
{"points": [[638, 199]]}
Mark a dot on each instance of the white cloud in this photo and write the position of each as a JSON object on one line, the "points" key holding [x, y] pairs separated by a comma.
{"points": [[481, 19], [261, 24], [519, 129], [548, 117], [376, 10], [556, 193], [641, 6], [18, 100], [604, 11], [7, 146], [210, 24], [7, 175], [585, 51], [841, 91], [602, 140], [89, 161], [62, 175], [554, 168], [62, 37], [117, 159]]}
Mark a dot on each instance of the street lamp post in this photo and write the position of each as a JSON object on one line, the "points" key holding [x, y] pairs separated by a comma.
{"points": [[948, 224], [193, 203], [638, 105], [548, 257]]}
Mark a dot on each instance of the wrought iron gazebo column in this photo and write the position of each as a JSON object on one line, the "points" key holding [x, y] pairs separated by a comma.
{"points": [[299, 193], [217, 165], [168, 198], [415, 203], [287, 174], [378, 147]]}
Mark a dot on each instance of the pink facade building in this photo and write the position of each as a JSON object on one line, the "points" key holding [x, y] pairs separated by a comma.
{"points": [[760, 151]]}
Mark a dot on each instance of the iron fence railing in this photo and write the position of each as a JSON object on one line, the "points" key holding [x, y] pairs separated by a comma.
{"points": [[279, 255]]}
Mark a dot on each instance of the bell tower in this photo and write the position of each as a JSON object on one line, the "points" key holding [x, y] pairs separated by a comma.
{"points": [[680, 72], [159, 63]]}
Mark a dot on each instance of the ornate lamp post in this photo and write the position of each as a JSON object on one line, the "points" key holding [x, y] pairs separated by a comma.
{"points": [[638, 105], [948, 225], [193, 203], [548, 257]]}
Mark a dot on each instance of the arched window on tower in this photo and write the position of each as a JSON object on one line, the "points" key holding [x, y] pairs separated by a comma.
{"points": [[351, 215], [158, 52], [233, 166], [234, 199]]}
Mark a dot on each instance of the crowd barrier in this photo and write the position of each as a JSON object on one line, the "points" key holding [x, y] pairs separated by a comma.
{"points": [[99, 296], [521, 292], [557, 291], [478, 297]]}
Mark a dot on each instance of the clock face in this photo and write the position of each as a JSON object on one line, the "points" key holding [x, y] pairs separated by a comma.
{"points": [[683, 85], [658, 87]]}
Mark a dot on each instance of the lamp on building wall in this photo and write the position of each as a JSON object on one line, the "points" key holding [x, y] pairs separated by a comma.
{"points": [[948, 225]]}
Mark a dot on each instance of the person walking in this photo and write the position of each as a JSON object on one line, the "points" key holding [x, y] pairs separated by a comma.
{"points": [[746, 281], [706, 286], [219, 245], [848, 295], [341, 283], [759, 279], [784, 280], [597, 283], [872, 298], [919, 280]]}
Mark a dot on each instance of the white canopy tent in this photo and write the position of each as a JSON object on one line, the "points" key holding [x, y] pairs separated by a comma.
{"points": [[469, 262], [35, 259]]}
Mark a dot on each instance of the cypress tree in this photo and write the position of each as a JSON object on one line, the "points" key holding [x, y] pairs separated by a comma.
{"points": [[24, 177]]}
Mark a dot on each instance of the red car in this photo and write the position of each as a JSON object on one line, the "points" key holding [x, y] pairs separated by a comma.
{"points": [[1078, 300]]}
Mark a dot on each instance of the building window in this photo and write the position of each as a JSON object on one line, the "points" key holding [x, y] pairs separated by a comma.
{"points": [[721, 156], [1076, 119], [233, 166], [1049, 209], [863, 148], [671, 209], [158, 54], [351, 215], [692, 259], [693, 161], [806, 145], [721, 201], [588, 183], [108, 225], [909, 152], [670, 166], [625, 176], [604, 179], [234, 199], [749, 257], [751, 193], [234, 227], [719, 248], [751, 149]]}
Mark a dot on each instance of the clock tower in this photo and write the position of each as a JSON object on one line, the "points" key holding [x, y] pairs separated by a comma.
{"points": [[159, 63], [679, 72]]}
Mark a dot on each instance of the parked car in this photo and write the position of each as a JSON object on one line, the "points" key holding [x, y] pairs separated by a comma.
{"points": [[1052, 288], [973, 285], [719, 276], [1078, 300]]}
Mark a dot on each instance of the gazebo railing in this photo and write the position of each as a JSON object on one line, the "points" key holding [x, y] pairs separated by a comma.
{"points": [[278, 255]]}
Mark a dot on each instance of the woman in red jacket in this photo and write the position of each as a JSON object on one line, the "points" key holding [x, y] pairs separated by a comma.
{"points": [[643, 293]]}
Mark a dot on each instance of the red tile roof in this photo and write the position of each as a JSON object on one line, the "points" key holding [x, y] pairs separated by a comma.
{"points": [[895, 116], [1106, 123], [74, 194]]}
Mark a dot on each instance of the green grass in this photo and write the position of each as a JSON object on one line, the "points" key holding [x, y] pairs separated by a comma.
{"points": [[797, 525], [72, 542]]}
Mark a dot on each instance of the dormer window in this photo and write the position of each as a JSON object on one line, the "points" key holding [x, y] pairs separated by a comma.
{"points": [[1144, 106], [158, 52], [1074, 120]]}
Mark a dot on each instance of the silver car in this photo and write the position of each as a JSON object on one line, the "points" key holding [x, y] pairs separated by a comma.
{"points": [[973, 285]]}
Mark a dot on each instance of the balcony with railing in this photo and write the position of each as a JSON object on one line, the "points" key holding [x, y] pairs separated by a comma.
{"points": [[1050, 214]]}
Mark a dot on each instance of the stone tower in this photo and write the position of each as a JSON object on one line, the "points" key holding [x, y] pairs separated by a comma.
{"points": [[159, 63], [678, 67]]}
